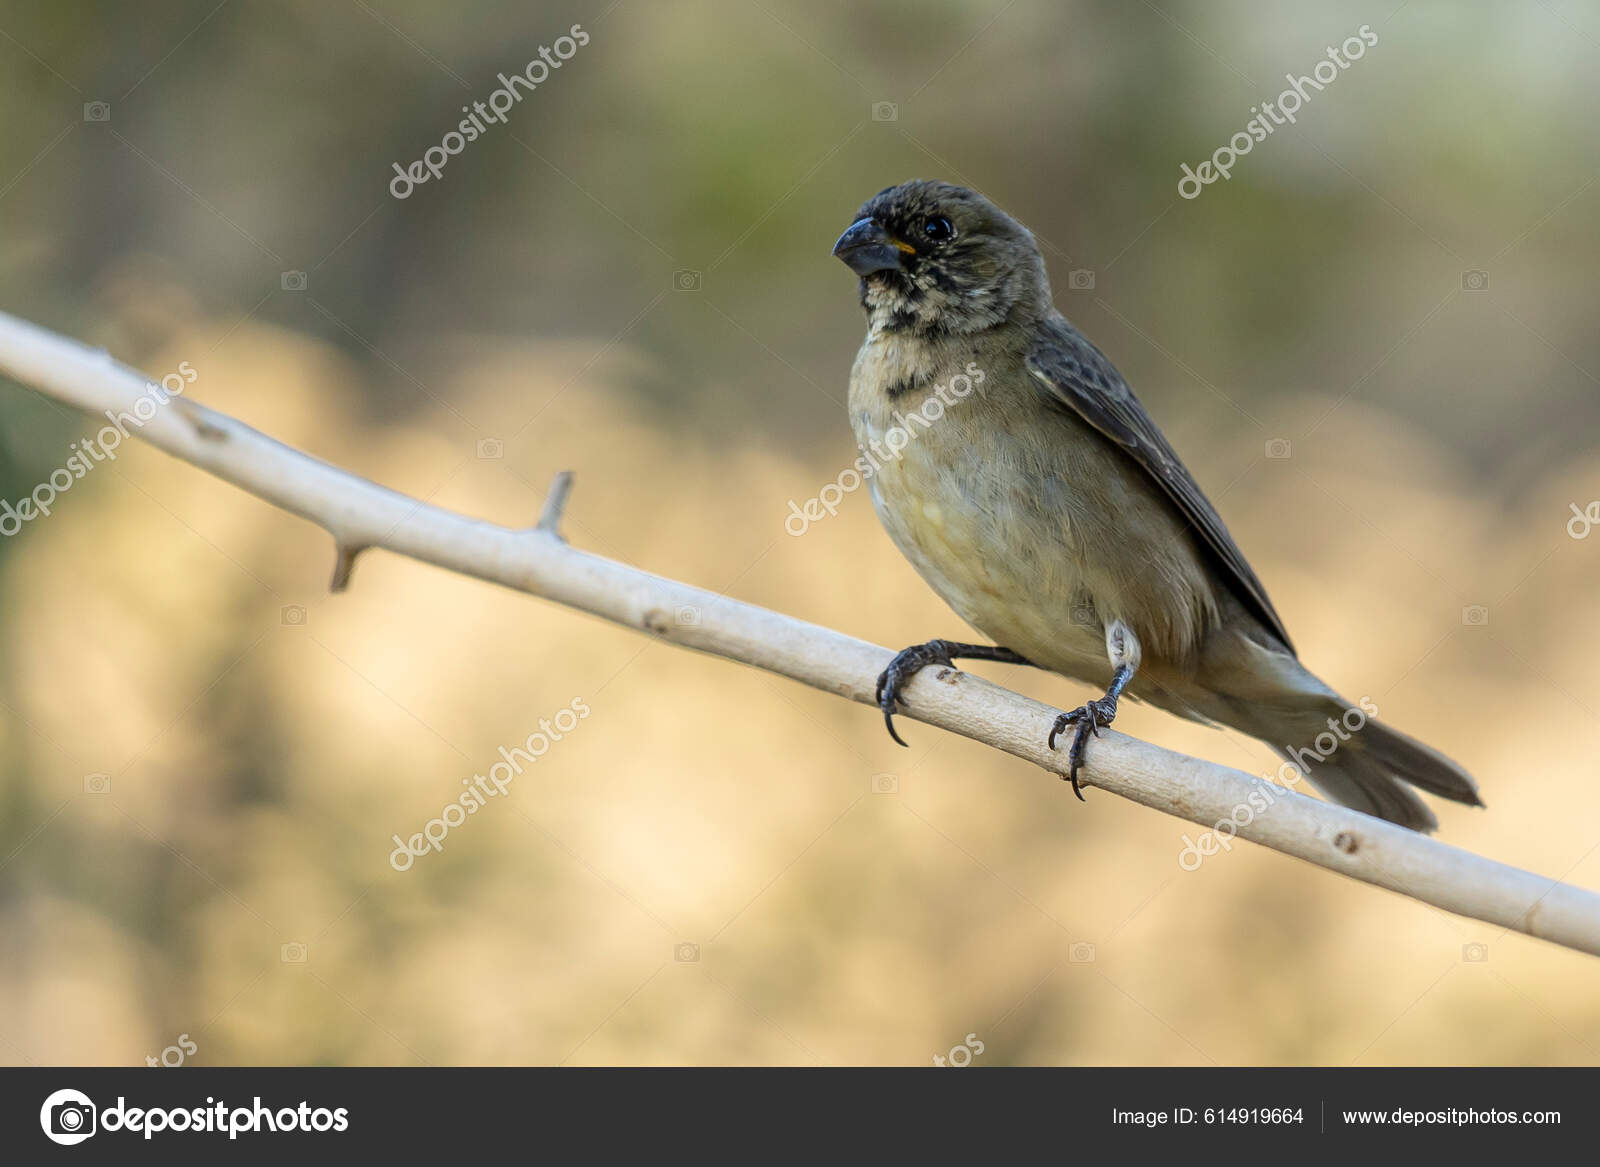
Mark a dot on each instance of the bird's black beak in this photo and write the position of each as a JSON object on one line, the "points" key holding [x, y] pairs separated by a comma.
{"points": [[866, 247]]}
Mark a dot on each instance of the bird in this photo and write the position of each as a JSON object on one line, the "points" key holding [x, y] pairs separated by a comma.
{"points": [[1013, 466]]}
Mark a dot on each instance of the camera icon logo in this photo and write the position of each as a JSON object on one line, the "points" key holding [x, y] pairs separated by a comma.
{"points": [[686, 280], [293, 952], [686, 953], [686, 616], [1278, 448], [1083, 616], [292, 615], [293, 281], [1081, 953], [885, 111], [97, 111], [68, 1117], [885, 784], [490, 449], [1475, 615], [97, 783], [1475, 281], [1080, 280], [1474, 953]]}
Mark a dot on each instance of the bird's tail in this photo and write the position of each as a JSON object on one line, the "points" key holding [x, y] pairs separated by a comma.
{"points": [[1345, 752], [1359, 761]]}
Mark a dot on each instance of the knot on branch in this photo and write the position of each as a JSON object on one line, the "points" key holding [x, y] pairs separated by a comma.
{"points": [[200, 418]]}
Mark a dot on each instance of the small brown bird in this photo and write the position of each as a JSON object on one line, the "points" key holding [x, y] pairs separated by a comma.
{"points": [[1014, 467]]}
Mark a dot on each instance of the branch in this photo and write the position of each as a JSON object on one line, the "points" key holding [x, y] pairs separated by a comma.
{"points": [[360, 514]]}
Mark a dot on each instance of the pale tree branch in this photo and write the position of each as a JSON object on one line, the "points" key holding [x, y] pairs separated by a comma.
{"points": [[360, 515]]}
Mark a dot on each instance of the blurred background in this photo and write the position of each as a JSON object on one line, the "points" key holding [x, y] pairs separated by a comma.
{"points": [[1374, 345]]}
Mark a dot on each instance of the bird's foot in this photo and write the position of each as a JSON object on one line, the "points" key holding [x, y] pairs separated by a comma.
{"points": [[1088, 717], [907, 663]]}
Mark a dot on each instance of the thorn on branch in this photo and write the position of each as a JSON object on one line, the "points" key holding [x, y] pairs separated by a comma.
{"points": [[344, 562], [555, 503]]}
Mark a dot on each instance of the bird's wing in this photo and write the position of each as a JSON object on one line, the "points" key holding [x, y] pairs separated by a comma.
{"points": [[1078, 377]]}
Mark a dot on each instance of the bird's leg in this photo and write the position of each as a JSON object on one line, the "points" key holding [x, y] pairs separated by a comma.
{"points": [[908, 662], [1122, 647]]}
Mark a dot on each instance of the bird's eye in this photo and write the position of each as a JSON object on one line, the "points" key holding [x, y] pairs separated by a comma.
{"points": [[938, 228]]}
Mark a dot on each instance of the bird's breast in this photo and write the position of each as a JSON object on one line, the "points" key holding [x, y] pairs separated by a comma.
{"points": [[1021, 517], [965, 502]]}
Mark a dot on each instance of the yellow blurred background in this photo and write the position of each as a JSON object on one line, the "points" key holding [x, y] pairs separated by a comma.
{"points": [[204, 756]]}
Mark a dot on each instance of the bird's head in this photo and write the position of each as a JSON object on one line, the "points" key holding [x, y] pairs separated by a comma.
{"points": [[934, 257]]}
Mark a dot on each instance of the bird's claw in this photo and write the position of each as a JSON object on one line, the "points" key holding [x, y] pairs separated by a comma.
{"points": [[907, 663], [1088, 718]]}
